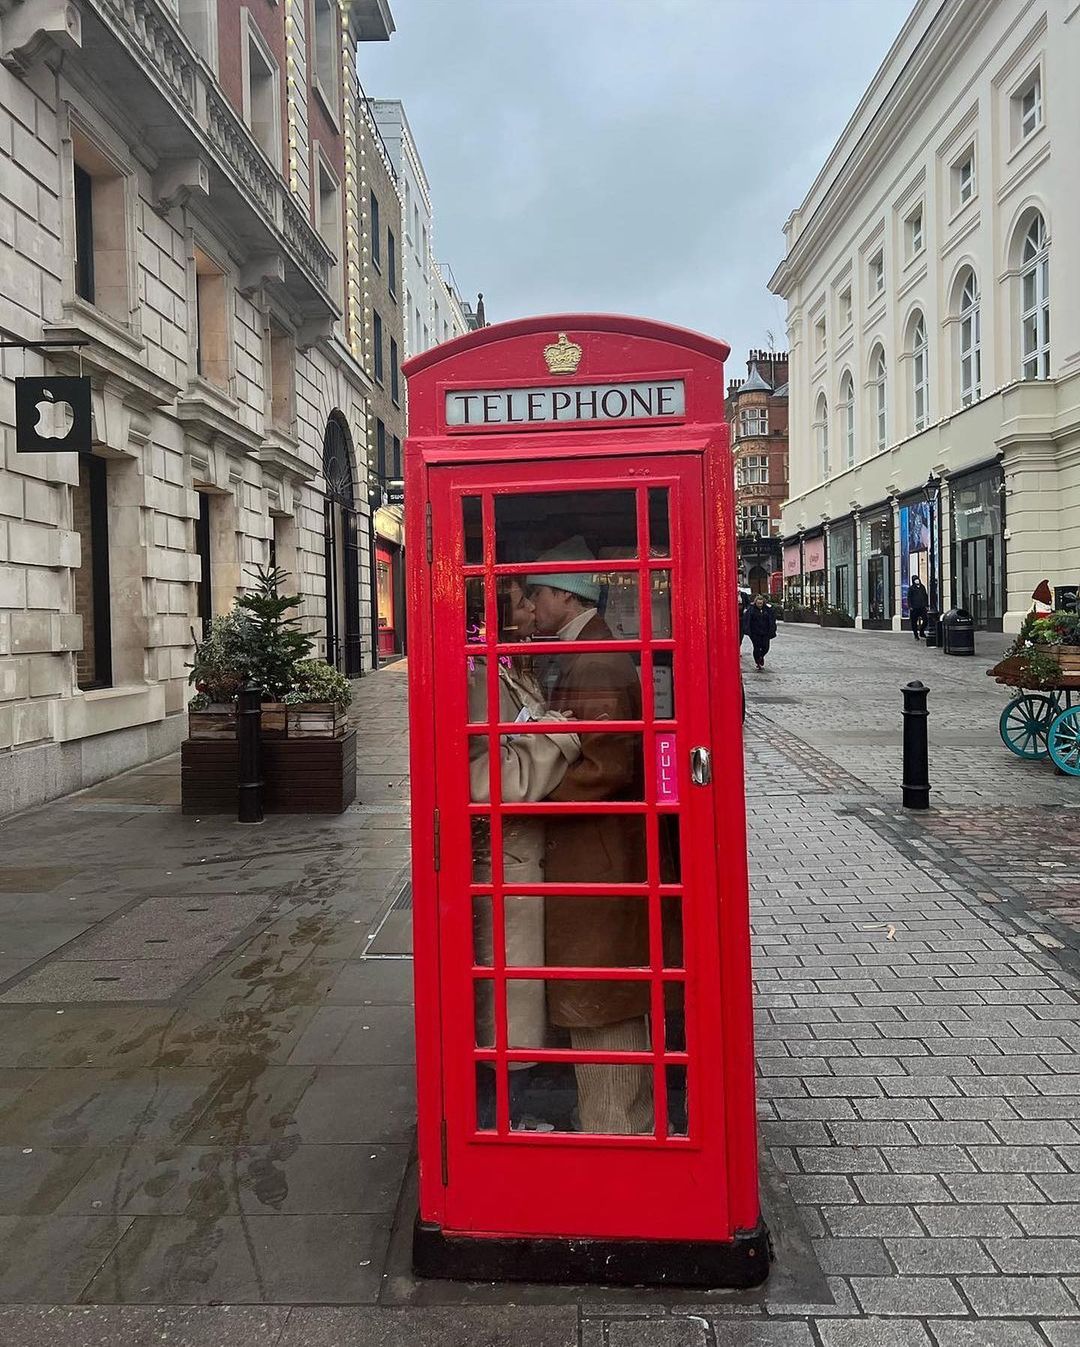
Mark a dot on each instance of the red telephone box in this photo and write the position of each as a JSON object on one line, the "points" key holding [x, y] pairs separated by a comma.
{"points": [[582, 956]]}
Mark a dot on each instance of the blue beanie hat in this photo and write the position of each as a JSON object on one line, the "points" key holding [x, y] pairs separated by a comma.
{"points": [[579, 583]]}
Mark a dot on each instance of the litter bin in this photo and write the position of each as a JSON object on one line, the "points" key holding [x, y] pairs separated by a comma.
{"points": [[958, 632], [933, 627]]}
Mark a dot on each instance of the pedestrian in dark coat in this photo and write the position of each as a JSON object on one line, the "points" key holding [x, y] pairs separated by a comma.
{"points": [[759, 623], [918, 601]]}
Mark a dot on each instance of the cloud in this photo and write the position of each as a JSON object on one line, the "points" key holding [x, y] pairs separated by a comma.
{"points": [[632, 156]]}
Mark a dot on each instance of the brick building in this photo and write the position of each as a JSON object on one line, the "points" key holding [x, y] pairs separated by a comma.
{"points": [[179, 190], [757, 411]]}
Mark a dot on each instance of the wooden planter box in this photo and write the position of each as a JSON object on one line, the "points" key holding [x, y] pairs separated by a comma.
{"points": [[219, 722], [300, 776], [216, 722], [837, 620], [316, 720]]}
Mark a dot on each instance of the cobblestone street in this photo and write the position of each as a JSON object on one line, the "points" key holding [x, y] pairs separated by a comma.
{"points": [[211, 1141]]}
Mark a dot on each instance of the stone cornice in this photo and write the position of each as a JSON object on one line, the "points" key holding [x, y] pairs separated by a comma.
{"points": [[855, 157]]}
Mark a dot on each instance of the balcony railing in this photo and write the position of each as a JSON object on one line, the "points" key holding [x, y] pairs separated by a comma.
{"points": [[246, 187]]}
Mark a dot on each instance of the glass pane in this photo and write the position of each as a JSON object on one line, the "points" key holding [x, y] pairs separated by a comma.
{"points": [[481, 850], [561, 766], [592, 685], [482, 928], [525, 920], [663, 678], [567, 605], [672, 927], [659, 528], [533, 525], [475, 611], [472, 528], [485, 1096], [599, 1098], [476, 672], [677, 1102], [584, 1008], [660, 586], [674, 1017], [484, 1012], [670, 848], [592, 849]]}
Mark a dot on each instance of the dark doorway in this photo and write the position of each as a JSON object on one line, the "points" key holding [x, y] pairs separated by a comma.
{"points": [[341, 550]]}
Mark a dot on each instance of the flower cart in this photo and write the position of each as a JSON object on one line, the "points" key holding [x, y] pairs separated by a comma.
{"points": [[1043, 665]]}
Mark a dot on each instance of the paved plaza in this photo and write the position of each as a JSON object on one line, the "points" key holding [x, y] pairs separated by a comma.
{"points": [[206, 1100]]}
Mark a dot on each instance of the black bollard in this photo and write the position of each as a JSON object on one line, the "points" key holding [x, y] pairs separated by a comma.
{"points": [[249, 807], [916, 782]]}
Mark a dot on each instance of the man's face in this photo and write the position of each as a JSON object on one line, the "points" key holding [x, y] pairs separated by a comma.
{"points": [[522, 616], [759, 601], [553, 609]]}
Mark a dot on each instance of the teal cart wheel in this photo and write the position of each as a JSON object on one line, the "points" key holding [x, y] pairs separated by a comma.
{"points": [[1063, 741], [1024, 724]]}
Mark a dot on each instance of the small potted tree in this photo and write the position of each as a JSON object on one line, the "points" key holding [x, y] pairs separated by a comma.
{"points": [[308, 766], [276, 646]]}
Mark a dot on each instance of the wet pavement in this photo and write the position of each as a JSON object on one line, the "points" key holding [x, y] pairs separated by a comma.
{"points": [[206, 1081]]}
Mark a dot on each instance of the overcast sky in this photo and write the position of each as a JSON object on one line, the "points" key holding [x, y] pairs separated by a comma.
{"points": [[634, 156]]}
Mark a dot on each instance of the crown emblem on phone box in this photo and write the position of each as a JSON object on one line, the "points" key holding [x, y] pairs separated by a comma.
{"points": [[563, 356]]}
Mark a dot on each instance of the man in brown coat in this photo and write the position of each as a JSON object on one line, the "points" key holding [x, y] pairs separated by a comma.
{"points": [[596, 849]]}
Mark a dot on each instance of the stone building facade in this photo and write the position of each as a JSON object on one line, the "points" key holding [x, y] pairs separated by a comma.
{"points": [[757, 411], [180, 192], [384, 336], [933, 300]]}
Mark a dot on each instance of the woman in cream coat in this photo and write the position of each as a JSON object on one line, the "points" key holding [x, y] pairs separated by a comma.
{"points": [[531, 766]]}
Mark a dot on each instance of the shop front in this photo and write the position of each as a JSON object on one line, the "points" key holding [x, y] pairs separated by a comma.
{"points": [[793, 586], [814, 573], [978, 545], [917, 526], [842, 569], [875, 549]]}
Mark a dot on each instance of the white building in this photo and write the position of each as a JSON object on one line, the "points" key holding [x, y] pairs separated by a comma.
{"points": [[921, 272], [177, 191], [432, 311]]}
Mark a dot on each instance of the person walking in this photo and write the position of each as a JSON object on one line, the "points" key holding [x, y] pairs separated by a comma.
{"points": [[759, 623], [918, 601]]}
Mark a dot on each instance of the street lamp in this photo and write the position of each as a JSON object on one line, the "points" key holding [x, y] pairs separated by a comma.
{"points": [[932, 492]]}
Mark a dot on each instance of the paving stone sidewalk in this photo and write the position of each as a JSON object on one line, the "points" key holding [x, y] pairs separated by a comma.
{"points": [[223, 1163]]}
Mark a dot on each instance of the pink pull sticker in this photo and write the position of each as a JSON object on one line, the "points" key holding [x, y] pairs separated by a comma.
{"points": [[667, 772]]}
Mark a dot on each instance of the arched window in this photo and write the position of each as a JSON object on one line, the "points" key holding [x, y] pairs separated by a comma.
{"points": [[847, 418], [920, 391], [878, 379], [821, 426], [970, 342], [1035, 301]]}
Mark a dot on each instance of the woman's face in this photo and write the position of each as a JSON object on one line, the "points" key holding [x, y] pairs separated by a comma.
{"points": [[522, 613]]}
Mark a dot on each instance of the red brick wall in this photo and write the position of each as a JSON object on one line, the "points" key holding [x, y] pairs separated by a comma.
{"points": [[269, 18]]}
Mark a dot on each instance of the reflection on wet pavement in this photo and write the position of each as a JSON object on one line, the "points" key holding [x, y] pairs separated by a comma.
{"points": [[199, 1074]]}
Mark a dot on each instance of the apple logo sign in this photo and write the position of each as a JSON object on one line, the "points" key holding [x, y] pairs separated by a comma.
{"points": [[53, 415], [55, 419]]}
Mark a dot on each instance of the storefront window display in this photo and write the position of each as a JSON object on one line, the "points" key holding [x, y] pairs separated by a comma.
{"points": [[793, 584], [875, 546], [814, 572], [978, 546], [842, 567], [916, 530]]}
